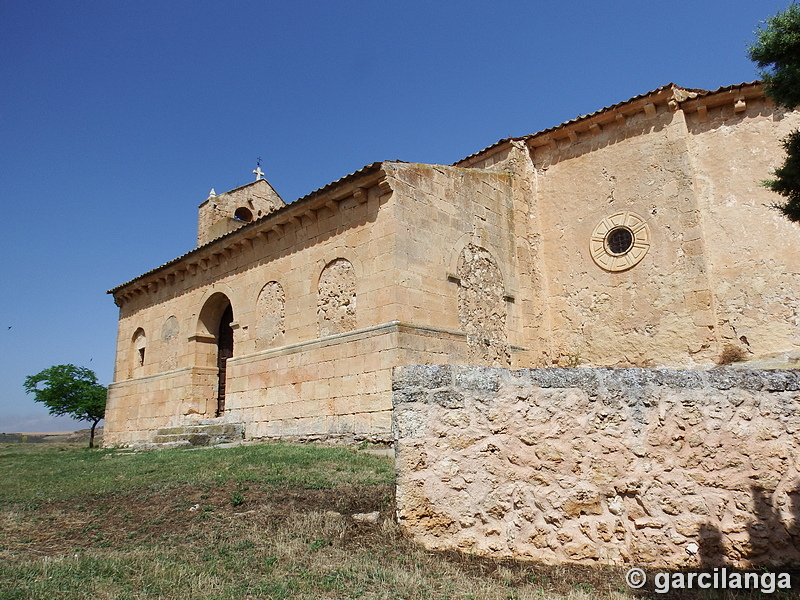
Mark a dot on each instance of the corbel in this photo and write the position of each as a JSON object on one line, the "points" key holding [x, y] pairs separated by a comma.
{"points": [[740, 105], [595, 129], [360, 194], [573, 137], [296, 221], [702, 112], [620, 119], [650, 109], [332, 205], [385, 186], [277, 229], [310, 214]]}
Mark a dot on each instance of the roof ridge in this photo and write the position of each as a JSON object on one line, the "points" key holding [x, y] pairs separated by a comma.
{"points": [[671, 85]]}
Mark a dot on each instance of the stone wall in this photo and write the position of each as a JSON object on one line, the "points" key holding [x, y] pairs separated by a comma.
{"points": [[721, 268], [281, 379], [646, 466]]}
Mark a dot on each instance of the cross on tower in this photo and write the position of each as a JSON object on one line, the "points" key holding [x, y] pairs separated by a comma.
{"points": [[258, 172]]}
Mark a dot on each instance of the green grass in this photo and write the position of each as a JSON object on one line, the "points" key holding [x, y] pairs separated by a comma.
{"points": [[269, 521], [43, 473]]}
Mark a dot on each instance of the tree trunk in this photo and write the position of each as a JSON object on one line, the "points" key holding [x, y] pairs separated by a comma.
{"points": [[91, 435]]}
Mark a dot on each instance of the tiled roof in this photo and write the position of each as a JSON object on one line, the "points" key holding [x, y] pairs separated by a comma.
{"points": [[695, 93], [363, 171], [376, 166]]}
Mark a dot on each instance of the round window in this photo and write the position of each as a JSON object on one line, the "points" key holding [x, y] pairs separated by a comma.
{"points": [[620, 241]]}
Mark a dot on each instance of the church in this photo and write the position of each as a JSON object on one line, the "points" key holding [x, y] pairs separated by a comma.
{"points": [[638, 235]]}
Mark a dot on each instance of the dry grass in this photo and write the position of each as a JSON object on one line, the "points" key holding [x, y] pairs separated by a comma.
{"points": [[731, 354]]}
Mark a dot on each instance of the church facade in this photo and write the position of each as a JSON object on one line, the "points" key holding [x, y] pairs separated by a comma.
{"points": [[638, 235]]}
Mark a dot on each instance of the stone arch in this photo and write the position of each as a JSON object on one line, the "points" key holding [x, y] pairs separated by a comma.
{"points": [[332, 254], [243, 214], [482, 306], [336, 298], [270, 324], [138, 353], [470, 239], [209, 318], [214, 341]]}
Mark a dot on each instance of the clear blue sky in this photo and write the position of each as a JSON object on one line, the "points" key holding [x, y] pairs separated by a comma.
{"points": [[117, 118]]}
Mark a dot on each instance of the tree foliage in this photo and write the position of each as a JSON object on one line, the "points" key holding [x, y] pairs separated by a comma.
{"points": [[70, 390], [777, 53], [787, 178]]}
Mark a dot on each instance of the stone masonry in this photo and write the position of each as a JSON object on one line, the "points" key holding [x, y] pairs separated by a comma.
{"points": [[658, 467], [635, 236]]}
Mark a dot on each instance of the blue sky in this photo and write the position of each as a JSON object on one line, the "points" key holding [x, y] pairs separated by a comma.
{"points": [[117, 118]]}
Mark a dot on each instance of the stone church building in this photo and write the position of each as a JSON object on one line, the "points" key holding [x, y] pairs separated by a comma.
{"points": [[636, 235]]}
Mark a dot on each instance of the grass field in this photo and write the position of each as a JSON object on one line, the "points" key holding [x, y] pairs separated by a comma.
{"points": [[259, 521]]}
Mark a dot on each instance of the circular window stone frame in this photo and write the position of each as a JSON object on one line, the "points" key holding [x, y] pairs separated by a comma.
{"points": [[598, 243]]}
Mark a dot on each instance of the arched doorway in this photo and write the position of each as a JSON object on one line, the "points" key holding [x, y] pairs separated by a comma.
{"points": [[215, 344], [224, 352]]}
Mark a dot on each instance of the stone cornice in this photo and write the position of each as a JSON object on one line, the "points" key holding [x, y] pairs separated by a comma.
{"points": [[669, 96]]}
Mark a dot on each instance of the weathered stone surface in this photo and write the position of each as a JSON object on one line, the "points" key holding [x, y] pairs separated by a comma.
{"points": [[336, 298], [657, 461], [481, 307], [271, 315]]}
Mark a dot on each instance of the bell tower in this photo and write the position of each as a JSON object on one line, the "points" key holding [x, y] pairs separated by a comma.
{"points": [[221, 214]]}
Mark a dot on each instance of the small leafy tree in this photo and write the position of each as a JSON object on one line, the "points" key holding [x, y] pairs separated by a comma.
{"points": [[777, 53], [70, 390]]}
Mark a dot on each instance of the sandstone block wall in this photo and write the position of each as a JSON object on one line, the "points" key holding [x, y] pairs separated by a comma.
{"points": [[752, 249], [654, 467], [442, 213]]}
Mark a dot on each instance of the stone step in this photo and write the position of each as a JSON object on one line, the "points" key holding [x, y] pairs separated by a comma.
{"points": [[228, 429], [199, 434], [193, 439], [174, 444]]}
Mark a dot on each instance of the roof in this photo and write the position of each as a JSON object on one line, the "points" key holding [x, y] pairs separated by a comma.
{"points": [[682, 94], [365, 171]]}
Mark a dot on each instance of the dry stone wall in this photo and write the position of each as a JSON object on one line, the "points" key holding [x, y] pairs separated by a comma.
{"points": [[645, 466]]}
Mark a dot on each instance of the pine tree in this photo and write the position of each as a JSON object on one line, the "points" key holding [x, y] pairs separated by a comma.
{"points": [[777, 53]]}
